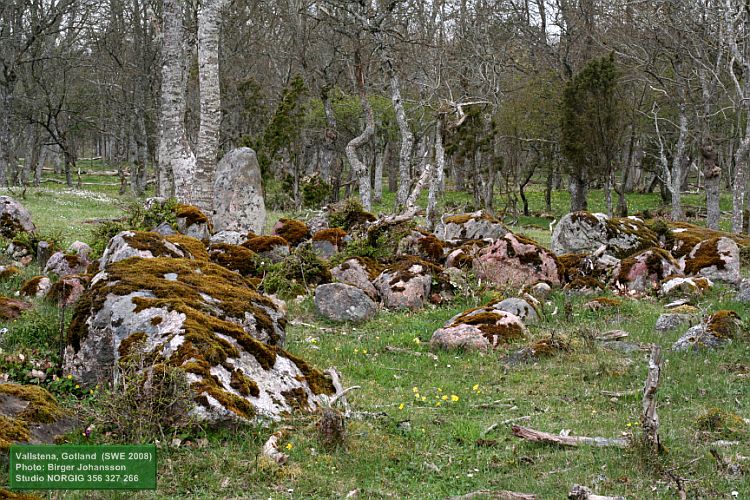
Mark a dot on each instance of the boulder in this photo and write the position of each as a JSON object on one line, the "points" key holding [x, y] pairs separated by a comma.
{"points": [[7, 272], [37, 286], [720, 329], [680, 238], [63, 264], [406, 284], [67, 290], [470, 226], [127, 244], [514, 260], [293, 231], [672, 321], [359, 272], [80, 249], [20, 252], [228, 237], [584, 232], [744, 293], [519, 307], [30, 414], [44, 250], [11, 309], [540, 291], [328, 242], [274, 248], [201, 318], [233, 257], [191, 221], [423, 245], [480, 329], [165, 229], [677, 286], [644, 271], [717, 259], [14, 218], [238, 193], [341, 302]]}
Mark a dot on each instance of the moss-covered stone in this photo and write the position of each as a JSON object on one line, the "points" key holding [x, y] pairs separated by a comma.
{"points": [[234, 257], [492, 325], [717, 420], [680, 237], [261, 244], [12, 430], [191, 214], [12, 495], [724, 324], [7, 272], [348, 214], [334, 235], [31, 286], [195, 247], [658, 263], [11, 309], [42, 408], [293, 231]]}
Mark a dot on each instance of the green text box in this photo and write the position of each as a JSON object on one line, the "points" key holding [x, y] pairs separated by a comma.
{"points": [[72, 467]]}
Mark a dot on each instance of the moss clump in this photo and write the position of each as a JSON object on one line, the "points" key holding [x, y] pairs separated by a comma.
{"points": [[7, 272], [231, 402], [12, 430], [684, 309], [401, 269], [62, 290], [586, 217], [549, 346], [132, 342], [260, 244], [11, 308], [234, 257], [193, 246], [11, 495], [726, 423], [334, 235], [431, 247], [348, 215], [707, 255], [464, 218], [296, 273], [319, 383], [724, 324], [681, 237], [191, 214], [42, 408], [296, 398], [30, 288], [490, 324], [244, 384], [151, 242], [293, 231]]}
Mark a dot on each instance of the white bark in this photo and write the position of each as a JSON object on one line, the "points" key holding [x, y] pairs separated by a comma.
{"points": [[436, 181], [358, 167], [677, 162], [378, 185], [176, 157], [210, 98]]}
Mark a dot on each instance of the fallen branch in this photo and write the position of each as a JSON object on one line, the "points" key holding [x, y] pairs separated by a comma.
{"points": [[340, 391], [620, 394], [649, 418], [401, 350], [499, 495], [544, 437], [583, 493]]}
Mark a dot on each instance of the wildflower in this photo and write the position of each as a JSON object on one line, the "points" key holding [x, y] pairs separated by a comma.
{"points": [[416, 395], [78, 386], [70, 377], [364, 351], [439, 389], [439, 403], [356, 350], [445, 397], [289, 446], [401, 406], [424, 398], [91, 391], [475, 387], [415, 389], [417, 341], [454, 398]]}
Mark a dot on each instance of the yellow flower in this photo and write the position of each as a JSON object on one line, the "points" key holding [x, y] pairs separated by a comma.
{"points": [[364, 351], [415, 389], [289, 446], [438, 403], [439, 389], [416, 395], [356, 351], [401, 406], [475, 387], [424, 398], [445, 397], [416, 340], [70, 377], [91, 391], [78, 386], [454, 398]]}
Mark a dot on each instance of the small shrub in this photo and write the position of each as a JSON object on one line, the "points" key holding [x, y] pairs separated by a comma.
{"points": [[725, 423]]}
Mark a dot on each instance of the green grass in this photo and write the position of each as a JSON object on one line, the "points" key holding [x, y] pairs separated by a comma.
{"points": [[437, 454]]}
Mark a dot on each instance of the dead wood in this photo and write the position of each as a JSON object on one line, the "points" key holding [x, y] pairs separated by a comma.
{"points": [[545, 437], [649, 418], [583, 493], [498, 495]]}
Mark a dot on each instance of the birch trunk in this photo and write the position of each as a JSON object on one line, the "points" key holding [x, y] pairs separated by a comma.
{"points": [[6, 146], [328, 155], [437, 176], [209, 24], [358, 167], [712, 174], [739, 188], [677, 163], [175, 156], [381, 159]]}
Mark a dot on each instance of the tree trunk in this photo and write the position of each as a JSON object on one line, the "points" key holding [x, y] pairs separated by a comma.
{"points": [[578, 187], [6, 143], [209, 25], [175, 156], [739, 188], [381, 159], [437, 176], [328, 155], [712, 174], [548, 188], [677, 164], [358, 167]]}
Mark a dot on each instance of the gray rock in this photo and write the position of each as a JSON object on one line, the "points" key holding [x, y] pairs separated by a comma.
{"points": [[697, 338], [324, 248], [37, 286], [622, 346], [519, 307], [584, 232], [79, 248], [43, 253], [232, 333], [128, 244], [407, 289], [14, 218], [684, 287], [341, 302], [197, 230], [744, 294], [352, 272], [63, 264], [671, 321], [495, 329], [238, 193], [472, 226], [228, 237], [165, 229], [540, 291], [717, 259]]}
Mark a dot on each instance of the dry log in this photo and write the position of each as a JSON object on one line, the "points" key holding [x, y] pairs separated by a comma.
{"points": [[649, 418], [401, 350], [498, 495], [545, 437], [583, 493]]}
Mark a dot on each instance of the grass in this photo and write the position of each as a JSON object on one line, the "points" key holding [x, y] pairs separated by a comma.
{"points": [[430, 448]]}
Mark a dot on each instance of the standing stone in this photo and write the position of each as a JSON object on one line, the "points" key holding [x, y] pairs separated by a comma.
{"points": [[14, 218], [340, 302], [238, 193], [43, 253]]}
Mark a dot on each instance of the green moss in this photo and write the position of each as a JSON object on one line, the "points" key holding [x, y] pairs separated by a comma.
{"points": [[707, 255], [655, 259], [319, 383], [12, 495], [348, 215], [685, 309], [689, 236], [244, 384], [134, 340], [488, 323], [231, 402], [12, 430], [334, 235], [156, 320], [9, 272], [260, 244], [293, 231], [191, 214], [62, 289], [234, 257], [42, 408], [724, 324], [401, 269], [12, 308], [464, 218], [9, 226], [151, 242], [371, 266], [431, 247], [296, 398], [30, 287], [194, 246]]}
